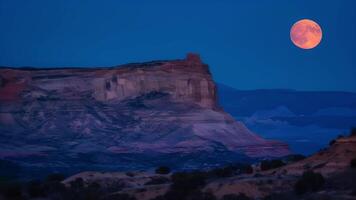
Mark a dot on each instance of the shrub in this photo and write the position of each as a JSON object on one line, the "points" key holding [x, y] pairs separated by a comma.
{"points": [[55, 177], [130, 174], [224, 172], [231, 170], [157, 181], [309, 182], [92, 192], [77, 184], [248, 170], [271, 164], [119, 196], [186, 185], [332, 142], [193, 195], [240, 196], [353, 131], [243, 168], [295, 158], [163, 170], [353, 163], [11, 191], [35, 189], [187, 181], [340, 136]]}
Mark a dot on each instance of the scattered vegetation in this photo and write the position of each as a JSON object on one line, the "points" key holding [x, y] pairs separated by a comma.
{"points": [[158, 181], [130, 174], [271, 164], [332, 142], [240, 196], [119, 196], [187, 185], [8, 170], [230, 170], [163, 170], [52, 188], [12, 190], [309, 182], [353, 131], [353, 163], [187, 181], [294, 158]]}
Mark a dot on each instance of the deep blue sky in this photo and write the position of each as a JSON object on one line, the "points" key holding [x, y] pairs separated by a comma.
{"points": [[245, 42]]}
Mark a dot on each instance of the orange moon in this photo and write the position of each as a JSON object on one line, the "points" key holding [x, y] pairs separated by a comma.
{"points": [[306, 34]]}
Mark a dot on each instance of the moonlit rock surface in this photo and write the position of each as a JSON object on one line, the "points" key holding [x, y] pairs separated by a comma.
{"points": [[76, 116]]}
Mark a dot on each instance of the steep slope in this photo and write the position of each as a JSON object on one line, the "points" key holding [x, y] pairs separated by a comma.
{"points": [[120, 117]]}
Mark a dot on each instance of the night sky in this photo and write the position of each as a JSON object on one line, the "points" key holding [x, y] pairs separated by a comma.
{"points": [[245, 42]]}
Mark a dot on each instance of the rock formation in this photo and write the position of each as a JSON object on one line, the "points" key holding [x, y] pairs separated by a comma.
{"points": [[103, 116]]}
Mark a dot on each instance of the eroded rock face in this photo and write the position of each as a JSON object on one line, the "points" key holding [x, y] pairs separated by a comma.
{"points": [[186, 80], [97, 115]]}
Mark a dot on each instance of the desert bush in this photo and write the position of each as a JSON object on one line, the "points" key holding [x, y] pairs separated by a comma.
{"points": [[231, 170], [130, 174], [295, 158], [157, 181], [55, 177], [271, 164], [193, 195], [11, 190], [188, 181], [309, 182], [243, 168], [340, 136], [248, 169], [35, 189], [353, 131], [227, 171], [9, 170], [281, 196], [163, 170], [353, 163], [119, 196], [240, 196], [78, 183], [186, 185], [332, 142]]}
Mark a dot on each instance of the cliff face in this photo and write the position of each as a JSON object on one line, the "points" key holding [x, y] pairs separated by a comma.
{"points": [[186, 80], [101, 115]]}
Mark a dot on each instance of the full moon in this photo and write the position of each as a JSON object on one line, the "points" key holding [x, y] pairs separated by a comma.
{"points": [[306, 34]]}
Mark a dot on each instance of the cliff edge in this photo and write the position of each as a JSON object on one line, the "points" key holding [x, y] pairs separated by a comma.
{"points": [[66, 117]]}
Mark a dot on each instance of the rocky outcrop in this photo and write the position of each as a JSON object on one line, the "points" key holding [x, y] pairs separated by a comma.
{"points": [[184, 80], [70, 115]]}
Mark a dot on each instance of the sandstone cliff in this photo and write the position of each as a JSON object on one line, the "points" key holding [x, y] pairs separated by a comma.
{"points": [[101, 115]]}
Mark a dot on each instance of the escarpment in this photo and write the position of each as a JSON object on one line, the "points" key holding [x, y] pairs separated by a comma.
{"points": [[186, 80], [67, 117]]}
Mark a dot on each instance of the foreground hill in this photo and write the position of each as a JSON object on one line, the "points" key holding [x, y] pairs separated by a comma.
{"points": [[335, 181], [133, 116]]}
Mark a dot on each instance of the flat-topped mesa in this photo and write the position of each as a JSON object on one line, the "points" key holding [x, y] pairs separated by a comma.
{"points": [[187, 80], [107, 114]]}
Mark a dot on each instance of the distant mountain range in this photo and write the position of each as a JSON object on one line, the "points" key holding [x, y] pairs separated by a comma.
{"points": [[306, 120]]}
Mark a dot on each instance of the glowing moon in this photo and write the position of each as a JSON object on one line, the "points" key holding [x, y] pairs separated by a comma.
{"points": [[306, 34]]}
